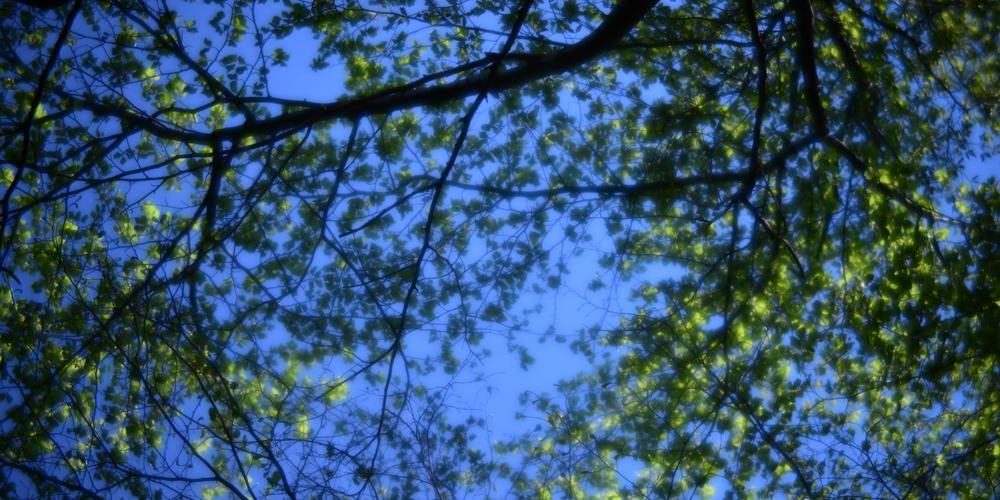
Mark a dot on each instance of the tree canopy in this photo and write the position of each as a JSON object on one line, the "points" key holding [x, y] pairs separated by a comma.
{"points": [[248, 246]]}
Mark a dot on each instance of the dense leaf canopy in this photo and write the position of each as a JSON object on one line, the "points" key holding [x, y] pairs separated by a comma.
{"points": [[248, 246]]}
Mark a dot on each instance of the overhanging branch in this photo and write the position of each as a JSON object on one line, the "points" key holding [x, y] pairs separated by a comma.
{"points": [[618, 23], [805, 53]]}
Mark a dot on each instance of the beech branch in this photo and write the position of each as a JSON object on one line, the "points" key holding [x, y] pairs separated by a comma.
{"points": [[805, 52], [619, 22]]}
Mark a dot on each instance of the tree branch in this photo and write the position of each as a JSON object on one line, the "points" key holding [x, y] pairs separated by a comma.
{"points": [[618, 23], [805, 52], [36, 101]]}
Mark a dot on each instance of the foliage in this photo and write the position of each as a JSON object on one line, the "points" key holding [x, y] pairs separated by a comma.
{"points": [[224, 277]]}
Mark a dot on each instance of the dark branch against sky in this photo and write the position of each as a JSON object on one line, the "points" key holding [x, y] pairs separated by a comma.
{"points": [[303, 249]]}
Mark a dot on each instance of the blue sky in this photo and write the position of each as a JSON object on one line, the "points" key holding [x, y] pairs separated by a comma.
{"points": [[493, 387]]}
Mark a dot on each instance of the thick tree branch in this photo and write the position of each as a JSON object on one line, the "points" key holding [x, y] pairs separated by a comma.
{"points": [[619, 22], [805, 52], [760, 57]]}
